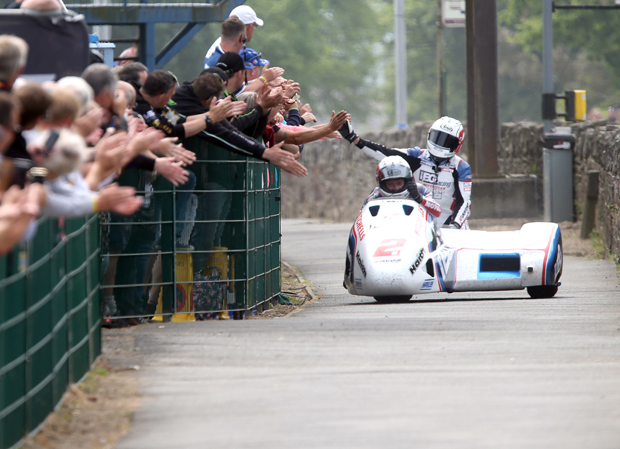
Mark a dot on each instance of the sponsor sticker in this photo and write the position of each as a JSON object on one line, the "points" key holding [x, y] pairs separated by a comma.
{"points": [[428, 177], [417, 262], [359, 227], [428, 284], [360, 263], [358, 283]]}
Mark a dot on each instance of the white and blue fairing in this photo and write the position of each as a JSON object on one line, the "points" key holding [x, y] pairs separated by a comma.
{"points": [[395, 249]]}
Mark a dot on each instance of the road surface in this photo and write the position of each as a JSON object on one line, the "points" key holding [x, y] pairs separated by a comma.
{"points": [[484, 370]]}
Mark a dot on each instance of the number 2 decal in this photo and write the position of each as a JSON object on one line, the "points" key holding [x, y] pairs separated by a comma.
{"points": [[390, 249]]}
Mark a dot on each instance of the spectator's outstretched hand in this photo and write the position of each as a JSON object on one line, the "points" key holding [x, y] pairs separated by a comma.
{"points": [[111, 153], [120, 200], [269, 98], [18, 208], [223, 109], [271, 74], [308, 117], [306, 108], [291, 88], [89, 122], [285, 160], [338, 120], [333, 135], [135, 125], [171, 170], [147, 139], [169, 148]]}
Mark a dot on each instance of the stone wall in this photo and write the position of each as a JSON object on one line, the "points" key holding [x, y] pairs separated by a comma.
{"points": [[341, 176], [597, 148]]}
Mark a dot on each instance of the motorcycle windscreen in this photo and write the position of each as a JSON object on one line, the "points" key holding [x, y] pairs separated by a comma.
{"points": [[58, 44]]}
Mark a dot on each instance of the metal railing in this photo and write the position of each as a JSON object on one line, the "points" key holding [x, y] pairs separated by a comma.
{"points": [[208, 249], [50, 321]]}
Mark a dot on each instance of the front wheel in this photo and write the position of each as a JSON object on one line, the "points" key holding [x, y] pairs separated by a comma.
{"points": [[392, 299], [542, 291]]}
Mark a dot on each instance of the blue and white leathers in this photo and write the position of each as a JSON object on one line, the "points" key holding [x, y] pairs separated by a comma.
{"points": [[449, 181]]}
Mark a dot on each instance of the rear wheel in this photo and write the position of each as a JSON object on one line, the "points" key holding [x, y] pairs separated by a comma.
{"points": [[392, 299], [542, 291]]}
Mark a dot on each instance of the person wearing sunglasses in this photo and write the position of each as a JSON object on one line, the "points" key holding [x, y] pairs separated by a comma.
{"points": [[233, 38]]}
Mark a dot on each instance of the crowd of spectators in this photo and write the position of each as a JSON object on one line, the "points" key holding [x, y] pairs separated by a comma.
{"points": [[103, 140]]}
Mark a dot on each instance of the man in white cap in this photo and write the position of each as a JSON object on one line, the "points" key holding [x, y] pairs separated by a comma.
{"points": [[248, 17]]}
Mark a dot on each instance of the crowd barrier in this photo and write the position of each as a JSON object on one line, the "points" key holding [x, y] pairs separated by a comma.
{"points": [[209, 249], [50, 321]]}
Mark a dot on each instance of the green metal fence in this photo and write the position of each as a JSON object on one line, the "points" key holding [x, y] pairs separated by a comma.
{"points": [[50, 321], [204, 251], [220, 258]]}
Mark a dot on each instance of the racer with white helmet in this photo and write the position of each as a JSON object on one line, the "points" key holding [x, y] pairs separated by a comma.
{"points": [[438, 168], [395, 180]]}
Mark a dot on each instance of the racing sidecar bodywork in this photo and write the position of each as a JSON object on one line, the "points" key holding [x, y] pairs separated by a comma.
{"points": [[395, 250]]}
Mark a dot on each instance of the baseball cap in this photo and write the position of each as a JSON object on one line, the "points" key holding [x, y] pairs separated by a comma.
{"points": [[230, 62], [219, 72], [251, 59], [246, 15]]}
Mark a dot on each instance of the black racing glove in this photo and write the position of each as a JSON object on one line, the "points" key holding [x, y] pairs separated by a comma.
{"points": [[412, 188], [347, 132]]}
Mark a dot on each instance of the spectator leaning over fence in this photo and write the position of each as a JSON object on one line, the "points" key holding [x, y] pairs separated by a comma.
{"points": [[233, 39], [248, 17], [253, 120], [104, 85], [134, 73], [197, 97]]}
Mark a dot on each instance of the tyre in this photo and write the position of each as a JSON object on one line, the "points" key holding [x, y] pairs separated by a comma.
{"points": [[542, 291], [392, 299]]}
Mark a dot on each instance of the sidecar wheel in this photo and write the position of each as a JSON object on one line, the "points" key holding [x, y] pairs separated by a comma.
{"points": [[392, 299], [542, 291]]}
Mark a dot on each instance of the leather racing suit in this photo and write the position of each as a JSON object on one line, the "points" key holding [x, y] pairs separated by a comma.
{"points": [[449, 181]]}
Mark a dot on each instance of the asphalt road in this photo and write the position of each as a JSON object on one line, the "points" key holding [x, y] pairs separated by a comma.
{"points": [[484, 370]]}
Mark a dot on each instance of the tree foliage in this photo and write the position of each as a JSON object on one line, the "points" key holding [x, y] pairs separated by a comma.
{"points": [[342, 54], [586, 51]]}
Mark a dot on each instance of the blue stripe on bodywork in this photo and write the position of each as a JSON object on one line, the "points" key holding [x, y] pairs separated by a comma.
{"points": [[551, 257]]}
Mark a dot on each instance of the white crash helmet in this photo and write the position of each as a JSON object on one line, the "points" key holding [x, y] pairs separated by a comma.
{"points": [[445, 137], [393, 167]]}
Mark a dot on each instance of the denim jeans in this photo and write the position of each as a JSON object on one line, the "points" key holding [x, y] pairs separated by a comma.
{"points": [[211, 206], [183, 195]]}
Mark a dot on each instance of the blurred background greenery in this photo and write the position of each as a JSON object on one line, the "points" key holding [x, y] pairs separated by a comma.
{"points": [[341, 52]]}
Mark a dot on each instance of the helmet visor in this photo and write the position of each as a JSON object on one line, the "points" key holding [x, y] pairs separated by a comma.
{"points": [[443, 139]]}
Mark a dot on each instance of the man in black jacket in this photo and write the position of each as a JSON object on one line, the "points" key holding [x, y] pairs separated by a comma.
{"points": [[197, 97]]}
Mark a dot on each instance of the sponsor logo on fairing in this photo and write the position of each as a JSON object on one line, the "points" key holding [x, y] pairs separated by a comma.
{"points": [[417, 262], [359, 226], [358, 283], [427, 285], [360, 263]]}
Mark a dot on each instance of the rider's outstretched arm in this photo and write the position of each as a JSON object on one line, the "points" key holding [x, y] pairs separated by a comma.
{"points": [[376, 150]]}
